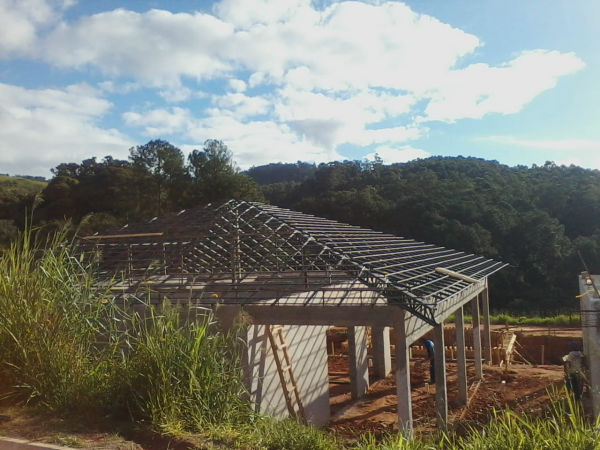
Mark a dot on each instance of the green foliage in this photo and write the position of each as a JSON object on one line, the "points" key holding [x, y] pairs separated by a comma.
{"points": [[49, 322], [70, 348], [160, 171], [280, 172], [181, 372], [215, 177], [534, 219], [17, 195], [155, 180], [267, 433], [560, 320], [562, 427], [14, 188]]}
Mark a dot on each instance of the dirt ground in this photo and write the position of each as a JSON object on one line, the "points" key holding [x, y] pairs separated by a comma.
{"points": [[521, 387]]}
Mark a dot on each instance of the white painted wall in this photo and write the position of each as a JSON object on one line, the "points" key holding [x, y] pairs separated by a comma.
{"points": [[308, 351]]}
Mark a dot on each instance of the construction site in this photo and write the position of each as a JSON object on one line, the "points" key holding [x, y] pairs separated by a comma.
{"points": [[334, 315]]}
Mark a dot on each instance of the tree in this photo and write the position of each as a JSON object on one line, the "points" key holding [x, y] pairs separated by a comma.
{"points": [[215, 176], [161, 175]]}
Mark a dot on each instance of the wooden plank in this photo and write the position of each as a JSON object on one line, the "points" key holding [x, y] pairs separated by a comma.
{"points": [[452, 273]]}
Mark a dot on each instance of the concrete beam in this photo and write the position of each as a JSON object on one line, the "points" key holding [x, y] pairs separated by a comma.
{"points": [[487, 332], [461, 357], [405, 420], [441, 396], [477, 338], [382, 358], [342, 316], [358, 360]]}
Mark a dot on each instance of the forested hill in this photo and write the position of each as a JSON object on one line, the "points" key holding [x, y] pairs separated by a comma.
{"points": [[533, 218], [16, 194]]}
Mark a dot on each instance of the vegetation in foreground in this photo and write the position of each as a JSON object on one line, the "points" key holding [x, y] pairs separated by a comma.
{"points": [[73, 351]]}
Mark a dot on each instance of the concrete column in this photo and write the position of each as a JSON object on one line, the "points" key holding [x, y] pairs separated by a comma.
{"points": [[487, 333], [441, 397], [382, 358], [476, 338], [461, 357], [359, 363], [405, 423]]}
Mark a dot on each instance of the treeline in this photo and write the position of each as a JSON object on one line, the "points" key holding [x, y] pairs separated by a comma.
{"points": [[536, 219], [155, 179]]}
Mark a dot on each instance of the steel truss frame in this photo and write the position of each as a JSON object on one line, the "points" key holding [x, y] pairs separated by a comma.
{"points": [[244, 252]]}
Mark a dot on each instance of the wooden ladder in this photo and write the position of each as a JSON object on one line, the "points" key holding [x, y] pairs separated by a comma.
{"points": [[286, 374]]}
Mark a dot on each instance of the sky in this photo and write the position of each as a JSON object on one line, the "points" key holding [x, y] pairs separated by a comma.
{"points": [[298, 80]]}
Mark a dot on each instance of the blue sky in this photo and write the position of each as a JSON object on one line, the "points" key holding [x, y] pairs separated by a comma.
{"points": [[288, 80]]}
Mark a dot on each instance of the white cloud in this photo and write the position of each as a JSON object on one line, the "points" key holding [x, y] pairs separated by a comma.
{"points": [[348, 45], [176, 94], [479, 89], [330, 120], [290, 80], [237, 85], [157, 122], [248, 14], [118, 88], [252, 142], [20, 21], [42, 128], [260, 142], [240, 105], [156, 47], [391, 155]]}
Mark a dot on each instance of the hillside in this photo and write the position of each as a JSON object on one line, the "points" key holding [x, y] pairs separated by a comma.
{"points": [[535, 218], [16, 194], [13, 188]]}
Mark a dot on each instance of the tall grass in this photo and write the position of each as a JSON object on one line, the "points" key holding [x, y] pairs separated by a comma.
{"points": [[69, 347], [562, 427], [181, 372], [50, 318]]}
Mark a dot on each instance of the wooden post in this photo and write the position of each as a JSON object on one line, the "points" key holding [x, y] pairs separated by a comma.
{"points": [[542, 358], [477, 338], [405, 422], [441, 398], [382, 357], [461, 357]]}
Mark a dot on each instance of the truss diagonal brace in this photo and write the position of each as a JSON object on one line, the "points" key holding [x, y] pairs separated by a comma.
{"points": [[415, 306]]}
